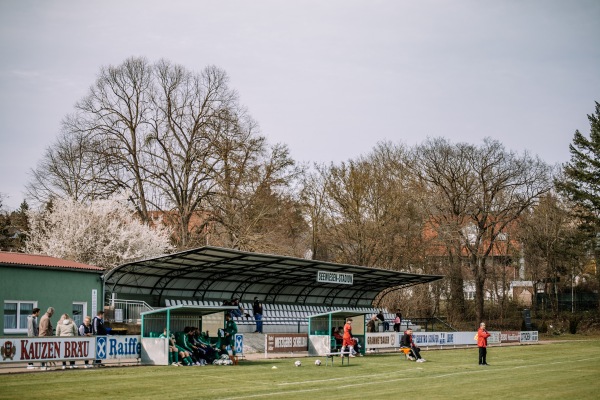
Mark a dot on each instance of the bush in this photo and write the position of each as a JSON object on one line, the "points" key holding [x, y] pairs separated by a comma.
{"points": [[573, 322]]}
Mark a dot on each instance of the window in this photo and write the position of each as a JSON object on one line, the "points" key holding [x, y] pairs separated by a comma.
{"points": [[79, 310], [15, 315]]}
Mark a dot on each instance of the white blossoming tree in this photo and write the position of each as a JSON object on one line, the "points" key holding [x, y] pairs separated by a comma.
{"points": [[104, 233]]}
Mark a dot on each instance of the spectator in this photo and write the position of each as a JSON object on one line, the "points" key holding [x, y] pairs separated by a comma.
{"points": [[66, 327], [397, 321], [408, 342], [372, 327], [257, 310], [98, 329], [347, 341], [239, 311], [372, 324], [32, 328], [482, 336], [381, 318], [46, 329], [85, 329], [339, 339]]}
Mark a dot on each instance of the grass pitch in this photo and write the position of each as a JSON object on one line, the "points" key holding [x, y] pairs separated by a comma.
{"points": [[563, 370]]}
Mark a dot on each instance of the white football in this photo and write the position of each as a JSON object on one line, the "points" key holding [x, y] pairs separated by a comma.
{"points": [[298, 363], [318, 363]]}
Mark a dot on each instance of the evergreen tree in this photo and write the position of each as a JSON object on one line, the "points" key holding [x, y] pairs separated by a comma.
{"points": [[581, 183]]}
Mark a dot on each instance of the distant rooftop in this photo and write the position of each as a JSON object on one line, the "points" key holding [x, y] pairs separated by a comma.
{"points": [[35, 260]]}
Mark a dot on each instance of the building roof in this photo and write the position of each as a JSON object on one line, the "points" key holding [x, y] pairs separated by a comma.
{"points": [[218, 274], [35, 260]]}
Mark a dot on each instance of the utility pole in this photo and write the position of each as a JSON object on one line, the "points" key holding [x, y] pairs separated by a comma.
{"points": [[572, 289]]}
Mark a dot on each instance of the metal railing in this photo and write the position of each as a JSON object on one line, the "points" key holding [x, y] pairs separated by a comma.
{"points": [[126, 311], [432, 324]]}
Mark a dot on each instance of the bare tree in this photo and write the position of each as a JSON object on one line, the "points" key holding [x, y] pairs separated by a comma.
{"points": [[370, 217], [68, 169], [481, 190], [313, 198], [552, 245], [181, 144], [181, 151], [253, 184], [114, 116]]}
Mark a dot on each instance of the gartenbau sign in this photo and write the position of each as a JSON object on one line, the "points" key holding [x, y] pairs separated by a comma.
{"points": [[335, 277]]}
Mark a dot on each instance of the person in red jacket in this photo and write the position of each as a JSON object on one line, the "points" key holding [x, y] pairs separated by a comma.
{"points": [[482, 336]]}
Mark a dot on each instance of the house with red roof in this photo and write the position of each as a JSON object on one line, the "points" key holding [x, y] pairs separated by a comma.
{"points": [[29, 281]]}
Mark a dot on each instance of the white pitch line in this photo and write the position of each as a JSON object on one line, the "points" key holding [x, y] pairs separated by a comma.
{"points": [[382, 378], [271, 394], [473, 371]]}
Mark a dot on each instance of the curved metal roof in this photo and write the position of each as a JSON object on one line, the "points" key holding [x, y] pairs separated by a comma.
{"points": [[218, 274]]}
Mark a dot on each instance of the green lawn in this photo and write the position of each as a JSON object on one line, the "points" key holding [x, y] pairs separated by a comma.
{"points": [[566, 370]]}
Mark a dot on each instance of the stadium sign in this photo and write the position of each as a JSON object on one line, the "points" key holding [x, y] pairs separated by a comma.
{"points": [[46, 349], [510, 336], [117, 347], [381, 340], [335, 277], [529, 337], [285, 343]]}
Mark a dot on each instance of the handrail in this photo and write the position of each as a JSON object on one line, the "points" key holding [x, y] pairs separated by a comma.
{"points": [[126, 311], [445, 323], [431, 320]]}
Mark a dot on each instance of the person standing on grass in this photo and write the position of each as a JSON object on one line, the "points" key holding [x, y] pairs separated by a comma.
{"points": [[98, 329], [348, 340], [46, 329], [482, 336], [66, 327], [230, 331], [32, 328], [85, 329]]}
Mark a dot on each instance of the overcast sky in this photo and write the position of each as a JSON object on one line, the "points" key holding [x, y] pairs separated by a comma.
{"points": [[328, 78]]}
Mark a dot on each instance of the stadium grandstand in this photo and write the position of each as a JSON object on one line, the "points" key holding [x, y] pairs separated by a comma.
{"points": [[290, 289]]}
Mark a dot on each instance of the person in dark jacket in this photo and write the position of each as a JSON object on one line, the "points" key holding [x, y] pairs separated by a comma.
{"points": [[408, 342], [85, 329], [98, 324], [382, 321], [98, 329], [257, 310], [32, 328]]}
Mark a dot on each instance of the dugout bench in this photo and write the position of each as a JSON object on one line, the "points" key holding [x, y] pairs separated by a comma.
{"points": [[344, 355], [209, 319], [321, 341]]}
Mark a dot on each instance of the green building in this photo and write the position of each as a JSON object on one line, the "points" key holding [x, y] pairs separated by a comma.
{"points": [[28, 281]]}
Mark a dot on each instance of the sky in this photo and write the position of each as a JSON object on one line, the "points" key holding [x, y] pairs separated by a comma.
{"points": [[328, 78]]}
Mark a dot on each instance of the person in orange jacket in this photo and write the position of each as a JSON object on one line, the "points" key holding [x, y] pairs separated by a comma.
{"points": [[482, 336], [348, 341]]}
